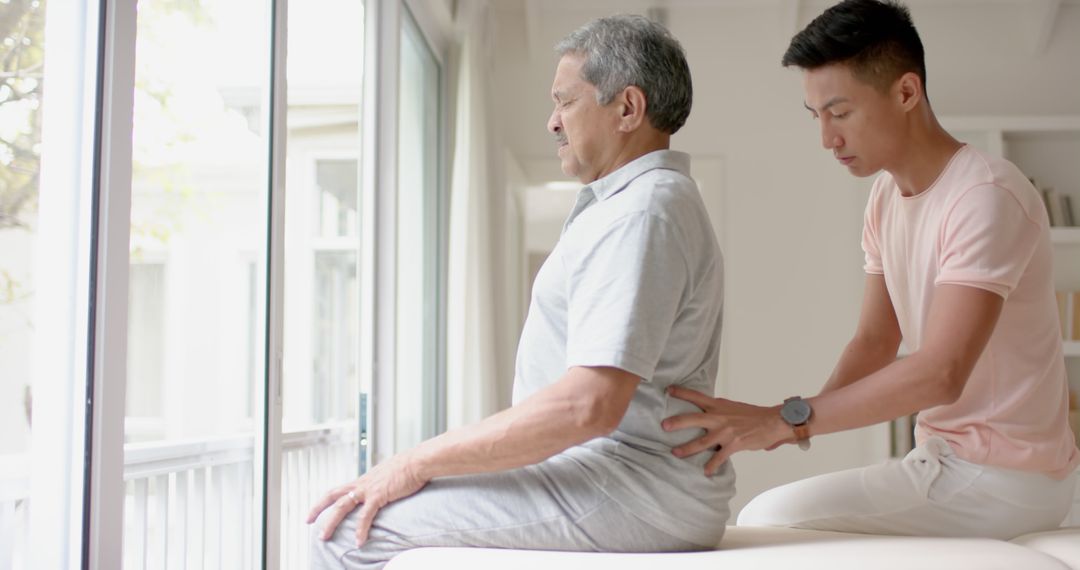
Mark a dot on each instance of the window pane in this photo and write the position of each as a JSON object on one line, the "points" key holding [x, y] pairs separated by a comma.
{"points": [[322, 390], [417, 240], [196, 326], [22, 55]]}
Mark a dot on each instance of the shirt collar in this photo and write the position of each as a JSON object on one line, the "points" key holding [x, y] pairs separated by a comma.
{"points": [[614, 182]]}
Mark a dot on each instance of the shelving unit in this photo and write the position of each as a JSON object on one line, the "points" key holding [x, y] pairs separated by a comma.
{"points": [[1065, 236]]}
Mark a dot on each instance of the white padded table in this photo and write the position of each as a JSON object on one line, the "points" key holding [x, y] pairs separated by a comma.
{"points": [[769, 548]]}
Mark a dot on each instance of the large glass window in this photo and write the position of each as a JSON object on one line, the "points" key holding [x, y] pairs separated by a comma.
{"points": [[44, 286], [198, 276], [196, 323], [321, 384], [22, 56], [418, 241]]}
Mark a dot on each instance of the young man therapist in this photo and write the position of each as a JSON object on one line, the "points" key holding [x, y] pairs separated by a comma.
{"points": [[958, 268]]}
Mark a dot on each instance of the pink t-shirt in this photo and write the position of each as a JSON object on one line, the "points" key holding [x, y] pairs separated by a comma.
{"points": [[981, 224]]}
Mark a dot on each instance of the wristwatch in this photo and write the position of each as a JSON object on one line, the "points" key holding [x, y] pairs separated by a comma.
{"points": [[796, 412]]}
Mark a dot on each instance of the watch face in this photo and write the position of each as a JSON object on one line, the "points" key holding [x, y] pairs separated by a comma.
{"points": [[795, 411]]}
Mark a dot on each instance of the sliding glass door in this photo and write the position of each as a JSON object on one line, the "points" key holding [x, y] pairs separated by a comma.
{"points": [[197, 286], [419, 411], [48, 96], [323, 392], [46, 209], [190, 269]]}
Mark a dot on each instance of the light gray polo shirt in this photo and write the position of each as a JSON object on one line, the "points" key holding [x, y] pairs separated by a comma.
{"points": [[636, 282]]}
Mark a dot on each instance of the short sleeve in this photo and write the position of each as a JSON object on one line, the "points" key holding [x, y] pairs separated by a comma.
{"points": [[625, 291], [987, 240], [871, 244]]}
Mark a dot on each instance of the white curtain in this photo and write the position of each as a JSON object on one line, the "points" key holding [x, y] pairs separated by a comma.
{"points": [[471, 370]]}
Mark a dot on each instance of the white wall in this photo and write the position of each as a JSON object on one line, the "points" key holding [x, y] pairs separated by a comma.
{"points": [[793, 261]]}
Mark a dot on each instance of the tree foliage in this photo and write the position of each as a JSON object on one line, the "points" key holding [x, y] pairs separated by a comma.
{"points": [[22, 59]]}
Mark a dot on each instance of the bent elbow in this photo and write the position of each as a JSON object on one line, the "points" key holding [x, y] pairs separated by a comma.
{"points": [[954, 389], [951, 385], [596, 416]]}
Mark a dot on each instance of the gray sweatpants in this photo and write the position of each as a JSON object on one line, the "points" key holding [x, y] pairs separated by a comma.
{"points": [[554, 505]]}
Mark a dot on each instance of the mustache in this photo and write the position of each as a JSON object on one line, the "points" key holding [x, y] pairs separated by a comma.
{"points": [[561, 139]]}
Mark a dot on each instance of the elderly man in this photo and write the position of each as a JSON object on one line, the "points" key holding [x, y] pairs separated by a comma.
{"points": [[627, 304]]}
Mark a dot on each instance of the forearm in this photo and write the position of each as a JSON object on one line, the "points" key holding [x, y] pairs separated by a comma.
{"points": [[861, 358], [904, 387], [539, 427]]}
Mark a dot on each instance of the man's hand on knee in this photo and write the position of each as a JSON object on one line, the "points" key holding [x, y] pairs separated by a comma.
{"points": [[387, 482]]}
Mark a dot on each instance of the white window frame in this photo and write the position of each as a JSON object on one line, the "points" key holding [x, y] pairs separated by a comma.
{"points": [[435, 23], [105, 498], [96, 542], [58, 517]]}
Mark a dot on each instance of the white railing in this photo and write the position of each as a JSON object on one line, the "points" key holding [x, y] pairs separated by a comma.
{"points": [[190, 504], [14, 509], [312, 462]]}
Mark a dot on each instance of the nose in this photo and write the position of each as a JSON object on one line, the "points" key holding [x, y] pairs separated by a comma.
{"points": [[554, 123], [830, 139]]}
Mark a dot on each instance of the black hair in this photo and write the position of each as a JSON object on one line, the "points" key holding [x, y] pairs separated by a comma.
{"points": [[875, 39]]}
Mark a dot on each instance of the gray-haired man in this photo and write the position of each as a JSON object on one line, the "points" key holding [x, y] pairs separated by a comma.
{"points": [[627, 304]]}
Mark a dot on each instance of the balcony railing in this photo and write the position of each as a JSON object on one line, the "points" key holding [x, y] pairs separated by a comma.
{"points": [[189, 504]]}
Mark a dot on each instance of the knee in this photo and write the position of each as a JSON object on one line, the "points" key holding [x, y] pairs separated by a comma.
{"points": [[340, 550], [765, 510], [331, 552], [325, 554], [751, 514]]}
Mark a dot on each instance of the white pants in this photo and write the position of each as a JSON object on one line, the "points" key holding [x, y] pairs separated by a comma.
{"points": [[930, 492]]}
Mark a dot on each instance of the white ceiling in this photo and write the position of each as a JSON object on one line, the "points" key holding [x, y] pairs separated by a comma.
{"points": [[984, 57], [1035, 18]]}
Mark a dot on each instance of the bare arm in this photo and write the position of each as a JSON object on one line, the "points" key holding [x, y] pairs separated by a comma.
{"points": [[876, 339], [959, 325], [585, 403]]}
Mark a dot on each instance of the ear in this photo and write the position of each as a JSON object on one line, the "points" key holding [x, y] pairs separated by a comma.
{"points": [[908, 90], [632, 104]]}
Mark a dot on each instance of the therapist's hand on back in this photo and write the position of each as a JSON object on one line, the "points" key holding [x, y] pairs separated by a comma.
{"points": [[729, 426]]}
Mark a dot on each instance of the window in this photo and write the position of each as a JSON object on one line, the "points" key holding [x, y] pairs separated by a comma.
{"points": [[199, 204], [146, 352], [418, 242], [21, 91], [323, 395], [218, 286], [45, 250]]}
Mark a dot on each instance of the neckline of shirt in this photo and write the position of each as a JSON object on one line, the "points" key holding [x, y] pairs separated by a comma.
{"points": [[940, 176], [613, 183]]}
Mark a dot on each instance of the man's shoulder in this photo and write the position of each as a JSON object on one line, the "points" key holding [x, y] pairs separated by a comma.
{"points": [[973, 168], [660, 192], [994, 181]]}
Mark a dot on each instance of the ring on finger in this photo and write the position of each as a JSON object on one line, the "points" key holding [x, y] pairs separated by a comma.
{"points": [[352, 497]]}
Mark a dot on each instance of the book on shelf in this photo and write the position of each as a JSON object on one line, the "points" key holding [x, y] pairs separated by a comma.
{"points": [[1058, 208], [1068, 303], [1063, 302], [1074, 321]]}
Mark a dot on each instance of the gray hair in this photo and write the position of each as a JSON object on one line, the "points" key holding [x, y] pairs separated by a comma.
{"points": [[626, 50]]}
